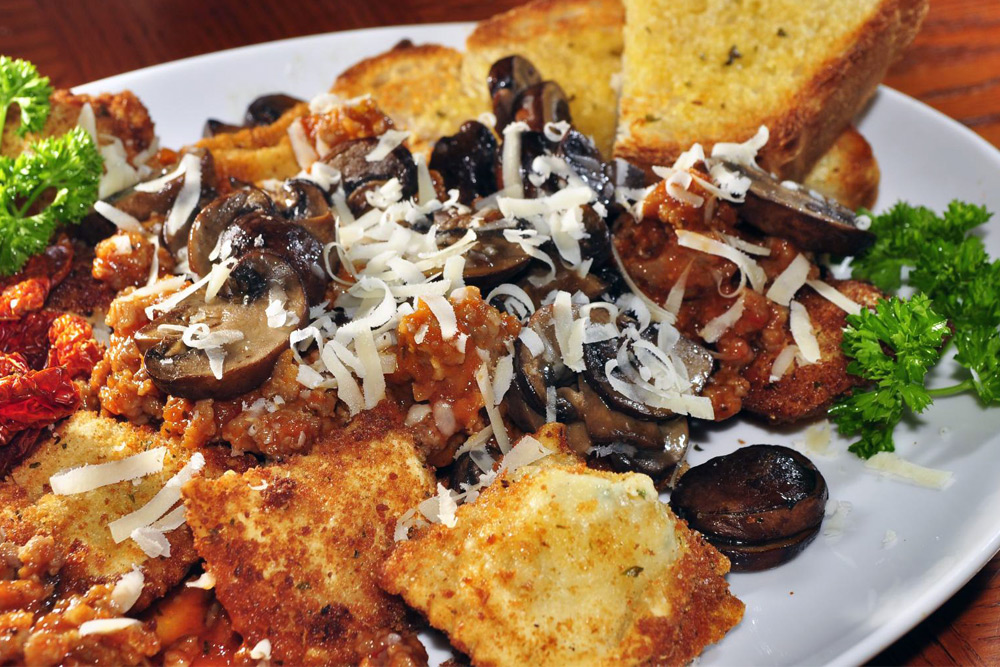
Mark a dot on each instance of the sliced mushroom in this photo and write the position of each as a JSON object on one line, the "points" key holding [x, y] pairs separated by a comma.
{"points": [[266, 109], [607, 425], [350, 159], [176, 238], [811, 221], [215, 127], [208, 225], [290, 241], [760, 505], [493, 259], [506, 79], [299, 199], [541, 103], [246, 343], [585, 160], [537, 374], [467, 161], [698, 363], [659, 464]]}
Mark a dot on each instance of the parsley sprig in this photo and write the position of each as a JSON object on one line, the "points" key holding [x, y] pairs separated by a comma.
{"points": [[957, 301], [20, 84], [54, 181]]}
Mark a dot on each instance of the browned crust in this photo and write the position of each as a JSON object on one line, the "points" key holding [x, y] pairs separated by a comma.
{"points": [[544, 17], [825, 105], [848, 172], [362, 75], [294, 563], [808, 390], [704, 603]]}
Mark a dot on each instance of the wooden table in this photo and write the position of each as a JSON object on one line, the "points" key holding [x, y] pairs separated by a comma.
{"points": [[954, 66]]}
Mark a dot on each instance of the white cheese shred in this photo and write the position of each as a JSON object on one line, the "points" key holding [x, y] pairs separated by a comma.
{"points": [[790, 281], [128, 589], [891, 465], [158, 505], [803, 333], [90, 477], [106, 626], [717, 326], [835, 296]]}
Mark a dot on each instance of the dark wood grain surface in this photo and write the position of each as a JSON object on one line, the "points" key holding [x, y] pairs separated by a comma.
{"points": [[954, 66]]}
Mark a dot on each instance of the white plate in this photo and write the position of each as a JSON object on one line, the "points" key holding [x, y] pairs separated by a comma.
{"points": [[842, 600]]}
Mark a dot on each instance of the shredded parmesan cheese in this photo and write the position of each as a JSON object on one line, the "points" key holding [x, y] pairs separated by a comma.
{"points": [[106, 626], [803, 333], [891, 465], [90, 477], [790, 280], [717, 326]]}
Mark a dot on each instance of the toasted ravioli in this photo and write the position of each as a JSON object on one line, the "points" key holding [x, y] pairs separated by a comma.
{"points": [[79, 522], [807, 391], [562, 565], [295, 547], [420, 88], [576, 43]]}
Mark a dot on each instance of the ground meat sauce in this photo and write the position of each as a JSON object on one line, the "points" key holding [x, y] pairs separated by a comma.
{"points": [[280, 417], [126, 258], [655, 261], [36, 629], [442, 373]]}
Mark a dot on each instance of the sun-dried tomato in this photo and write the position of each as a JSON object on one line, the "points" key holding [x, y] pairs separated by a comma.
{"points": [[72, 345], [13, 363], [28, 336], [34, 400], [24, 297], [21, 445], [26, 291]]}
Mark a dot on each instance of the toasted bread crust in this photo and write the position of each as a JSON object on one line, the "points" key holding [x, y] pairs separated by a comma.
{"points": [[576, 43], [419, 87], [848, 172], [813, 117]]}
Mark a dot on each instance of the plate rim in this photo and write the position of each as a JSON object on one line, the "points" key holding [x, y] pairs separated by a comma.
{"points": [[935, 595]]}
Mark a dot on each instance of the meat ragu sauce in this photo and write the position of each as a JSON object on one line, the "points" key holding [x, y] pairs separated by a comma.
{"points": [[654, 259]]}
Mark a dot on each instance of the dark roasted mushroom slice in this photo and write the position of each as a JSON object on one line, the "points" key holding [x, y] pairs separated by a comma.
{"points": [[537, 374], [235, 341], [606, 425], [811, 222], [350, 158], [175, 238], [585, 160], [659, 464], [760, 505], [493, 259], [290, 241], [266, 109], [541, 103], [208, 225], [697, 361], [597, 244], [506, 79], [299, 199], [215, 127], [467, 161]]}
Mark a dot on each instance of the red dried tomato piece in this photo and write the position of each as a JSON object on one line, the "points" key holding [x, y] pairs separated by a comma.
{"points": [[34, 400], [28, 336], [72, 345], [27, 290], [19, 448], [13, 363], [24, 297]]}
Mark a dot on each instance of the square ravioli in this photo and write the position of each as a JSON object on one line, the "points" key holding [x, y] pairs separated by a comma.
{"points": [[295, 547], [558, 564]]}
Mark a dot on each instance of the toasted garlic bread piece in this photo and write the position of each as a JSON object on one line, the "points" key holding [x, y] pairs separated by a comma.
{"points": [[558, 564], [295, 547], [420, 88], [808, 390], [714, 70], [79, 522], [576, 43], [848, 172], [120, 115]]}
